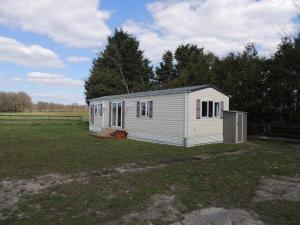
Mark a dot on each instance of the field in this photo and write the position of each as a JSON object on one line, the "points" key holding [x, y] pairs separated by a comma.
{"points": [[39, 117], [54, 173]]}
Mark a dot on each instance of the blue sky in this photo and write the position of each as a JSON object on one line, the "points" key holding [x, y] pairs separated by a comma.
{"points": [[47, 46]]}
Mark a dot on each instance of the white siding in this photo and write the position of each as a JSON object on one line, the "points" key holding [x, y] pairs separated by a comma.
{"points": [[167, 124], [205, 130]]}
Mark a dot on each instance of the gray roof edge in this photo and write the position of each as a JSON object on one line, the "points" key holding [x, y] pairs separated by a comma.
{"points": [[210, 86], [133, 95], [159, 92]]}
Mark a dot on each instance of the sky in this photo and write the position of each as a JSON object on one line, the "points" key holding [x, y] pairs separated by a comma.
{"points": [[47, 46]]}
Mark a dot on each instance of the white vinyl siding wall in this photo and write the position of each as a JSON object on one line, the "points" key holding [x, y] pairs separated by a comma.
{"points": [[208, 129], [166, 124]]}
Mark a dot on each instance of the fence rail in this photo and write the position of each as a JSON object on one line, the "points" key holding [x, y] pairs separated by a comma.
{"points": [[278, 130], [40, 117]]}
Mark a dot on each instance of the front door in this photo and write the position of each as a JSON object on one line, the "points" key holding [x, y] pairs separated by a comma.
{"points": [[116, 114]]}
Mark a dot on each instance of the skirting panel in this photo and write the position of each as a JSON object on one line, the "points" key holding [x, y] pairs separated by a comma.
{"points": [[162, 139], [199, 140]]}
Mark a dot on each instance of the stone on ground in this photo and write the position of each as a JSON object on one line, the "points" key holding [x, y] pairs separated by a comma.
{"points": [[219, 216]]}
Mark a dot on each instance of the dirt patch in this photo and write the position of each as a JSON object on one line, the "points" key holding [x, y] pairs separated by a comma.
{"points": [[11, 190], [278, 188], [143, 166], [161, 207], [211, 216], [133, 167]]}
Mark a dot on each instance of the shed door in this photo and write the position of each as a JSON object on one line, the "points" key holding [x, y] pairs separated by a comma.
{"points": [[240, 127]]}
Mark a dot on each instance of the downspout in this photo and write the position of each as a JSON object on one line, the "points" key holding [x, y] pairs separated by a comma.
{"points": [[187, 118], [186, 104], [103, 125]]}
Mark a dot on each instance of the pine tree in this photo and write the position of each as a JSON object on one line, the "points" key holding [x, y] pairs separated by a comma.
{"points": [[194, 67], [120, 68], [166, 72]]}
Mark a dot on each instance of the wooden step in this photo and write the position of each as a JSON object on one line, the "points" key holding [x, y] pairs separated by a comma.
{"points": [[110, 133]]}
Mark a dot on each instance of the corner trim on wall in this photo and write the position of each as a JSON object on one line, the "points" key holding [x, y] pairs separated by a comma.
{"points": [[186, 108], [103, 125]]}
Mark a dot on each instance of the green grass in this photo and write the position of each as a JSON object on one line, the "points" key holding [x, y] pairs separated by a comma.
{"points": [[67, 148], [229, 181]]}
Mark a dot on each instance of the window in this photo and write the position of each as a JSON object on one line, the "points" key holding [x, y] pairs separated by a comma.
{"points": [[204, 109], [96, 109], [143, 108], [217, 109], [114, 114], [210, 108], [91, 109], [100, 109]]}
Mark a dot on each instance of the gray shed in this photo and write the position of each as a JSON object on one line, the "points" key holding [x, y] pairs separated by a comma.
{"points": [[234, 126]]}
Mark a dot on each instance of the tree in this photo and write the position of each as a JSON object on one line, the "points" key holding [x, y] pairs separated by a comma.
{"points": [[283, 81], [120, 68], [166, 71], [194, 67], [15, 102], [242, 76]]}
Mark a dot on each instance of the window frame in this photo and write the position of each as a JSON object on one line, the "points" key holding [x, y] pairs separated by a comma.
{"points": [[202, 116], [92, 110], [213, 113], [148, 114], [100, 109], [218, 111], [210, 113], [146, 108]]}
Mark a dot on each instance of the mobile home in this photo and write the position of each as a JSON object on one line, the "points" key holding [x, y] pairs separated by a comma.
{"points": [[185, 116]]}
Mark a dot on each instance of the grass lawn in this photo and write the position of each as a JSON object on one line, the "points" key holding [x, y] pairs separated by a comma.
{"points": [[30, 150]]}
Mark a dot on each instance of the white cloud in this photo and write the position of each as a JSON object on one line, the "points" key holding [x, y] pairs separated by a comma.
{"points": [[16, 52], [53, 79], [78, 59], [75, 23], [219, 26]]}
